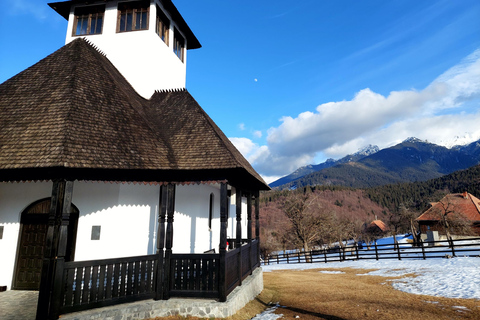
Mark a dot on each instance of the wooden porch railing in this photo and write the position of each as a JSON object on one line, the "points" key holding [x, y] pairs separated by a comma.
{"points": [[194, 275], [248, 253], [99, 283]]}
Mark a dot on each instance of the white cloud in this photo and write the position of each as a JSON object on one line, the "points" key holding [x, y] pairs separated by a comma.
{"points": [[257, 134], [445, 109], [241, 126]]}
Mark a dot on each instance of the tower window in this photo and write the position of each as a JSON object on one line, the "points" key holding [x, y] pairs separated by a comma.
{"points": [[178, 45], [163, 25], [133, 16], [88, 20]]}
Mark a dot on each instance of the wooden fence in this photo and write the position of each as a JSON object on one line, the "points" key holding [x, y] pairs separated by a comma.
{"points": [[425, 250]]}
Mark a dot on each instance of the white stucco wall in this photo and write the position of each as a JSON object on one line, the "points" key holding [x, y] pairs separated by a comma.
{"points": [[127, 215], [141, 56], [14, 198]]}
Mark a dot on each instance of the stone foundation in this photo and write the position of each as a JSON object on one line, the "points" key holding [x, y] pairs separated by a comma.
{"points": [[202, 308]]}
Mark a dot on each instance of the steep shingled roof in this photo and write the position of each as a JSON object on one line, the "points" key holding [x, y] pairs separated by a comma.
{"points": [[465, 204], [74, 110]]}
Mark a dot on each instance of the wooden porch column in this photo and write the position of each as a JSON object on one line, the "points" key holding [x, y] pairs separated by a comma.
{"points": [[257, 223], [162, 211], [50, 293], [222, 283], [249, 217], [238, 239], [170, 206], [249, 231], [257, 215]]}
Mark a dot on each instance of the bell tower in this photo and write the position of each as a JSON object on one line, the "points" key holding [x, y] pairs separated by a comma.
{"points": [[146, 40]]}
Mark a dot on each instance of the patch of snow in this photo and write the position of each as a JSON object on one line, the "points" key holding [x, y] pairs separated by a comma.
{"points": [[450, 278], [268, 314], [332, 272]]}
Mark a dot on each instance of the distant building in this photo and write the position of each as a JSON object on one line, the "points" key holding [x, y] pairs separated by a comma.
{"points": [[461, 211], [377, 227]]}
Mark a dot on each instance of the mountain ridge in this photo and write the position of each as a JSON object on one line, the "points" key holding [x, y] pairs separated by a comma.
{"points": [[409, 161]]}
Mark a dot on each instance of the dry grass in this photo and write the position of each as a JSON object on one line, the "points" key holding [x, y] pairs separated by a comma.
{"points": [[310, 294], [313, 295]]}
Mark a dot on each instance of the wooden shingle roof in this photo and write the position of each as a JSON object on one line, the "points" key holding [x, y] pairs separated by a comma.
{"points": [[73, 115]]}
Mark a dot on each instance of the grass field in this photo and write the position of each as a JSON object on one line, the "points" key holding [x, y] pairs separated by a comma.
{"points": [[311, 294]]}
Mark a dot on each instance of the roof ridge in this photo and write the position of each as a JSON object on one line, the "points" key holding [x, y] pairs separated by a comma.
{"points": [[169, 90], [477, 203], [93, 46]]}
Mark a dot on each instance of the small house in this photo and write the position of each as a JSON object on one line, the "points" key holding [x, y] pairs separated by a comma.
{"points": [[459, 211]]}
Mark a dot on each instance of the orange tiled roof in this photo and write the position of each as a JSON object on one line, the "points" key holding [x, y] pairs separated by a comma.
{"points": [[459, 203], [379, 223]]}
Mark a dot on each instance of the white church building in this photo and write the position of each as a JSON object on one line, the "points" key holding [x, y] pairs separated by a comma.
{"points": [[115, 185]]}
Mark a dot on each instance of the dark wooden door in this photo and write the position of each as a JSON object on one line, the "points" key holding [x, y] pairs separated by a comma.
{"points": [[33, 231], [30, 253]]}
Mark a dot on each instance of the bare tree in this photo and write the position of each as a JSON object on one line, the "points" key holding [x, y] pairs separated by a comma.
{"points": [[303, 216], [451, 220]]}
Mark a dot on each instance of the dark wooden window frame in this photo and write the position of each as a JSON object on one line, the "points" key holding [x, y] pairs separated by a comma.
{"points": [[136, 9], [179, 45], [91, 15], [163, 25]]}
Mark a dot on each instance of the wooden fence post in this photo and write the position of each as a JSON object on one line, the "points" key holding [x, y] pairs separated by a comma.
{"points": [[398, 250], [376, 250], [325, 254], [423, 249], [452, 246], [356, 250]]}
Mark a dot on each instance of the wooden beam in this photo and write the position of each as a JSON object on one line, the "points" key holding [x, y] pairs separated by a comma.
{"points": [[159, 274], [222, 285], [257, 215], [55, 249], [249, 217], [238, 239], [168, 276]]}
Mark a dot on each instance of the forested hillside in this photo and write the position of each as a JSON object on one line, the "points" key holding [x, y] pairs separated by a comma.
{"points": [[315, 215]]}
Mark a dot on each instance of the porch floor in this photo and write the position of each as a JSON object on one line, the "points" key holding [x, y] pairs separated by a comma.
{"points": [[16, 304], [22, 305]]}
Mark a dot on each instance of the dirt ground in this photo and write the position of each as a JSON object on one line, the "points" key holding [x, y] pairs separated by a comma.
{"points": [[310, 294]]}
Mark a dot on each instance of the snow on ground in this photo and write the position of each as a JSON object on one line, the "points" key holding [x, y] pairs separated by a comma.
{"points": [[451, 278], [457, 277]]}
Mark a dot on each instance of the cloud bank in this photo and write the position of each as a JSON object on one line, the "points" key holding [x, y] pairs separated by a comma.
{"points": [[446, 110]]}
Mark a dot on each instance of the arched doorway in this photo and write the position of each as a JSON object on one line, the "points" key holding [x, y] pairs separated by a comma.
{"points": [[33, 231]]}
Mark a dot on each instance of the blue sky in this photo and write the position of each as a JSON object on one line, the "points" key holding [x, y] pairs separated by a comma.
{"points": [[297, 82]]}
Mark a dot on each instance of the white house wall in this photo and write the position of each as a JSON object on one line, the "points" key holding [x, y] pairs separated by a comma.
{"points": [[14, 198], [191, 234], [127, 215], [141, 56]]}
